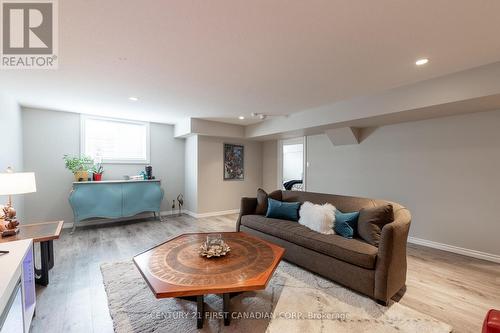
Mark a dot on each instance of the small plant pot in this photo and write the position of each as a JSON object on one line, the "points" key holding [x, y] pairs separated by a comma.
{"points": [[81, 176], [97, 177]]}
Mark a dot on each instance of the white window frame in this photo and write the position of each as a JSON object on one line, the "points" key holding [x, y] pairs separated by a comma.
{"points": [[84, 117]]}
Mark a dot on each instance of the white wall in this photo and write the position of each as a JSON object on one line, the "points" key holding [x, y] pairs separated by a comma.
{"points": [[215, 194], [446, 171], [48, 135], [191, 174], [11, 147], [192, 166], [270, 166]]}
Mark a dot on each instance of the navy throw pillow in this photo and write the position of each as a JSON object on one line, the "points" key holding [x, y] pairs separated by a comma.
{"points": [[282, 210], [346, 223]]}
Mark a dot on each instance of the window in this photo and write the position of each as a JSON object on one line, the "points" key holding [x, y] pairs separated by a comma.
{"points": [[114, 140]]}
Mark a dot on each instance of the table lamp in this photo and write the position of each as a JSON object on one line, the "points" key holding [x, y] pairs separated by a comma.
{"points": [[12, 183]]}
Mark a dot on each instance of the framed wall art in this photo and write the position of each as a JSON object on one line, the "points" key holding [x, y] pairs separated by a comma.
{"points": [[234, 166]]}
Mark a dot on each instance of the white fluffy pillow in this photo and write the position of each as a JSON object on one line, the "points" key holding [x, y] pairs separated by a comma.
{"points": [[320, 218]]}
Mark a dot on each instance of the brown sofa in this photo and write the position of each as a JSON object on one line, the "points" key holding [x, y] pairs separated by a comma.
{"points": [[378, 272]]}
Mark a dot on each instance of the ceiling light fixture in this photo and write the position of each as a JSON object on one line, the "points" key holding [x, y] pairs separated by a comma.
{"points": [[241, 118], [261, 116], [133, 99], [421, 62]]}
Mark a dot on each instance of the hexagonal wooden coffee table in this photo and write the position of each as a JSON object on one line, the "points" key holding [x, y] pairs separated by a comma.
{"points": [[175, 268]]}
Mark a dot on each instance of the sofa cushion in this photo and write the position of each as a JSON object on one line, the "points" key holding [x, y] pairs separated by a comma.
{"points": [[283, 210], [353, 251], [320, 218], [262, 197], [346, 223], [372, 220]]}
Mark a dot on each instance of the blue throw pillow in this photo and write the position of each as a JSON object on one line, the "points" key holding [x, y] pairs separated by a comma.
{"points": [[346, 223], [282, 210]]}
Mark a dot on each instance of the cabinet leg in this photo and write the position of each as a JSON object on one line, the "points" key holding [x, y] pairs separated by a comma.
{"points": [[75, 221]]}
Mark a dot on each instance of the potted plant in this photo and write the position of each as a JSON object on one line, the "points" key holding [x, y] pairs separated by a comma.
{"points": [[97, 170], [79, 166]]}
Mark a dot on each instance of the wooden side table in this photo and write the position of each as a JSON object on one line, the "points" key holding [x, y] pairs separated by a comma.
{"points": [[43, 233]]}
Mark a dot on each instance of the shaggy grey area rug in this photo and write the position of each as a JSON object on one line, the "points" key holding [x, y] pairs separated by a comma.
{"points": [[294, 301]]}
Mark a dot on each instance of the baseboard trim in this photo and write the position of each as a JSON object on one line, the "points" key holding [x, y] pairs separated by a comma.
{"points": [[211, 214], [103, 221], [456, 249], [145, 215]]}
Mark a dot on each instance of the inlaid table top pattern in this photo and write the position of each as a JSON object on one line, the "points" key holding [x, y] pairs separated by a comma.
{"points": [[175, 268]]}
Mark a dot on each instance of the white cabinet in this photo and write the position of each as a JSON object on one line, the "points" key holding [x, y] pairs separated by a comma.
{"points": [[17, 286]]}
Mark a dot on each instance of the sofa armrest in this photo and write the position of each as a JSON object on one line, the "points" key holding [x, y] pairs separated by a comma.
{"points": [[390, 271], [247, 207]]}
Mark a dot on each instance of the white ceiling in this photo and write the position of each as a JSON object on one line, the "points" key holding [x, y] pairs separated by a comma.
{"points": [[223, 58]]}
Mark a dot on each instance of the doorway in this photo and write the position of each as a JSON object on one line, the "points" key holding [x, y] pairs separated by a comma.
{"points": [[292, 161]]}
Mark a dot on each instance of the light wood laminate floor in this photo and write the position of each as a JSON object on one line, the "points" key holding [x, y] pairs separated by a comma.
{"points": [[453, 288]]}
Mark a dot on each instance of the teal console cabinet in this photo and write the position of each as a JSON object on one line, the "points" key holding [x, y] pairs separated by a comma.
{"points": [[114, 199]]}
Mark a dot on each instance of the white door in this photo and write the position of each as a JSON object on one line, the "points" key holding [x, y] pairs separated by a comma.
{"points": [[292, 158]]}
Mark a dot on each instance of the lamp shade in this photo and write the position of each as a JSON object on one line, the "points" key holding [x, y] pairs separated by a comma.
{"points": [[17, 183]]}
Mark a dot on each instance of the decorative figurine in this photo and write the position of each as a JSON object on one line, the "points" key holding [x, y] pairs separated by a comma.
{"points": [[214, 246], [180, 200], [8, 222], [10, 217]]}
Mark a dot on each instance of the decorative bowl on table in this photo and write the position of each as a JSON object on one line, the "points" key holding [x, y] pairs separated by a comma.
{"points": [[214, 246]]}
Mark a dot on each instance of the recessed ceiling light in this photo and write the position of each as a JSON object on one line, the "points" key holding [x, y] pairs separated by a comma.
{"points": [[421, 62], [241, 118], [133, 99]]}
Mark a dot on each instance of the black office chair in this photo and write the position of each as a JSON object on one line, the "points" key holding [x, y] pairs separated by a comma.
{"points": [[289, 184]]}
